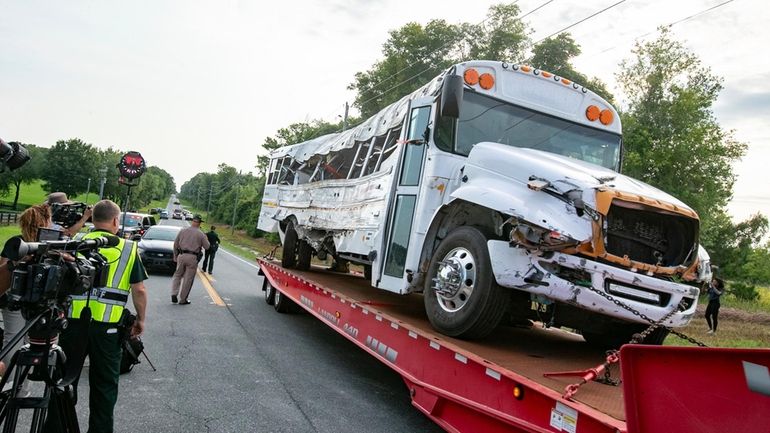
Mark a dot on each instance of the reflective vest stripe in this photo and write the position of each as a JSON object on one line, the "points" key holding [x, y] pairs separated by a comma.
{"points": [[125, 255], [107, 303]]}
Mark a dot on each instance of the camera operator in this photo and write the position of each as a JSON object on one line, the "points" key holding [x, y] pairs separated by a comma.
{"points": [[61, 198], [93, 320], [29, 222]]}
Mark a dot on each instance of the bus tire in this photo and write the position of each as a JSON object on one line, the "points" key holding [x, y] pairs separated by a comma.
{"points": [[283, 304], [471, 304], [304, 254], [289, 253], [269, 292]]}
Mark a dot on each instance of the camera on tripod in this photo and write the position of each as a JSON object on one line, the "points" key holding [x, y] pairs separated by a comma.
{"points": [[48, 273]]}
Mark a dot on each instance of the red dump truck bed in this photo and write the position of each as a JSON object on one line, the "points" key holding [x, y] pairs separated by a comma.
{"points": [[498, 384]]}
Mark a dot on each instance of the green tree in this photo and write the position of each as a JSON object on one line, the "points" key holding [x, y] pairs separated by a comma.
{"points": [[672, 138], [732, 245], [415, 54], [555, 55], [69, 164]]}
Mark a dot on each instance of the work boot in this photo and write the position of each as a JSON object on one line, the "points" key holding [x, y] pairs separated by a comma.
{"points": [[174, 299]]}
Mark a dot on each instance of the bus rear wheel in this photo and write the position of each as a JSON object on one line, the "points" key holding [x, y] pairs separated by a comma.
{"points": [[304, 255], [289, 253], [461, 296]]}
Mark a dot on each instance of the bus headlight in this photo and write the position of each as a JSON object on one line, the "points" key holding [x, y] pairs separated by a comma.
{"points": [[534, 237]]}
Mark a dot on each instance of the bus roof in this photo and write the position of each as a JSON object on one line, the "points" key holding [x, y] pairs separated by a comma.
{"points": [[520, 84]]}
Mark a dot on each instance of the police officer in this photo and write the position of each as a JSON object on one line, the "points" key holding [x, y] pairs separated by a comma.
{"points": [[187, 252], [93, 320]]}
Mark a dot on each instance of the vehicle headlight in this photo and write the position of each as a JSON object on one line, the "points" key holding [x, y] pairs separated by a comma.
{"points": [[534, 237]]}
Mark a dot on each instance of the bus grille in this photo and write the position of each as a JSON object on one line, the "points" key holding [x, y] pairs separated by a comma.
{"points": [[650, 236]]}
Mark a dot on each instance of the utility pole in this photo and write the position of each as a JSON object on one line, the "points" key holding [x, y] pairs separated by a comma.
{"points": [[345, 118], [211, 192], [235, 205], [103, 174], [88, 189]]}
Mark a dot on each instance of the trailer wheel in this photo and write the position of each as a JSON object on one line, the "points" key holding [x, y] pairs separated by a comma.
{"points": [[304, 254], [269, 292], [283, 304], [615, 336], [289, 254], [461, 296]]}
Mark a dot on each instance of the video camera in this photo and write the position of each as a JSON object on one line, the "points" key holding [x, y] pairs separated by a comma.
{"points": [[48, 273], [67, 215]]}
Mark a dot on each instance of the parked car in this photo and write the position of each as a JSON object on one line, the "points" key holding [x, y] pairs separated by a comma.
{"points": [[156, 248], [164, 214], [188, 215], [177, 214], [135, 224]]}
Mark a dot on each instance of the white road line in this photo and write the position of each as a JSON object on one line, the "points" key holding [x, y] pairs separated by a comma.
{"points": [[244, 261]]}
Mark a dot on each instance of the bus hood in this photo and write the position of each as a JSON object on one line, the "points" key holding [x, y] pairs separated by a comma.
{"points": [[561, 172]]}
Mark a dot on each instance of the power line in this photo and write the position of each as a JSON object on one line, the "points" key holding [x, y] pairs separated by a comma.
{"points": [[428, 69], [578, 22], [695, 15]]}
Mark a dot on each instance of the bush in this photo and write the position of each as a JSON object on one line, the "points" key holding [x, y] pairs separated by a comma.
{"points": [[744, 291]]}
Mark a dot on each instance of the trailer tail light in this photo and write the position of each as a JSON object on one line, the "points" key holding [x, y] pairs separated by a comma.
{"points": [[518, 392]]}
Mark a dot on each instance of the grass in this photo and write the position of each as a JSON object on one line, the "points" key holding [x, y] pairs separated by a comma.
{"points": [[29, 194], [7, 232]]}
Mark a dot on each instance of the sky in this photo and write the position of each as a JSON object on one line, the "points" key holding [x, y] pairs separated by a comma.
{"points": [[192, 84]]}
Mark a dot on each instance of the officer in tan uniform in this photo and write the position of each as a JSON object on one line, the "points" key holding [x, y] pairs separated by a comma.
{"points": [[187, 253]]}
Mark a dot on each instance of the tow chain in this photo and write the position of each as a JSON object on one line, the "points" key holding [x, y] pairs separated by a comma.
{"points": [[613, 356], [638, 338], [271, 254]]}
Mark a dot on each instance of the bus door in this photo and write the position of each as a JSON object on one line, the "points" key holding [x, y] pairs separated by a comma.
{"points": [[392, 270]]}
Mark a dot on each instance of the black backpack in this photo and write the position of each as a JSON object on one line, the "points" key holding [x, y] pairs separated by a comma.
{"points": [[132, 347]]}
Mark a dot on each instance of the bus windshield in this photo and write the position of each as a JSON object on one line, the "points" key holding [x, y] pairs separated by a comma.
{"points": [[486, 119]]}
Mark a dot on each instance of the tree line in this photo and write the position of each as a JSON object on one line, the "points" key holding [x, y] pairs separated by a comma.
{"points": [[672, 139], [68, 165]]}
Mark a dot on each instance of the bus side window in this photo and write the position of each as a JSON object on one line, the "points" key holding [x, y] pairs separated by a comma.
{"points": [[390, 146], [444, 136], [374, 157], [272, 171]]}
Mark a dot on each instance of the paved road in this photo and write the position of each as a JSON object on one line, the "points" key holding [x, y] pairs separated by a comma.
{"points": [[243, 367]]}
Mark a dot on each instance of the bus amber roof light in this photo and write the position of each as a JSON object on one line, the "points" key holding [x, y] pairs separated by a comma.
{"points": [[592, 113], [486, 81], [471, 77], [606, 117]]}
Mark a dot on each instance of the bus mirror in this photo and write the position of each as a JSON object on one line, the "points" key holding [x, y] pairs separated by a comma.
{"points": [[451, 96]]}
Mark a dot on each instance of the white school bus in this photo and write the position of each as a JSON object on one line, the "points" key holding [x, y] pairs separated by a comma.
{"points": [[494, 190]]}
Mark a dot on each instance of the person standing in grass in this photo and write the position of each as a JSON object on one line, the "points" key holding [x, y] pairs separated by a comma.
{"points": [[715, 289]]}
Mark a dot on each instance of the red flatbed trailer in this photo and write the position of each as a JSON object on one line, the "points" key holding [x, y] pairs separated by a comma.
{"points": [[498, 384]]}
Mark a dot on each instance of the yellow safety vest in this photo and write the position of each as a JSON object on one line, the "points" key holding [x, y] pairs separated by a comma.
{"points": [[107, 303]]}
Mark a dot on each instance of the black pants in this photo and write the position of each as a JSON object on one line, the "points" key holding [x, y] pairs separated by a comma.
{"points": [[208, 259], [712, 314], [99, 341]]}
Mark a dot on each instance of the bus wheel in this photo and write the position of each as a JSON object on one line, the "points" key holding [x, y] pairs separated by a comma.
{"points": [[283, 304], [269, 292], [304, 254], [461, 296], [289, 254]]}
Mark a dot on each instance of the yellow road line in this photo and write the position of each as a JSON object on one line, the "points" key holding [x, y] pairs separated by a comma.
{"points": [[209, 288]]}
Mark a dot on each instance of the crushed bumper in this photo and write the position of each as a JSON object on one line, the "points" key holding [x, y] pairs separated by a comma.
{"points": [[563, 277]]}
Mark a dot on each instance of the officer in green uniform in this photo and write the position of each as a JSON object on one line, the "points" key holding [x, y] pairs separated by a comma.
{"points": [[97, 337]]}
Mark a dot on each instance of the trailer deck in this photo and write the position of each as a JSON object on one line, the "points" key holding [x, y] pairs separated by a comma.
{"points": [[497, 384]]}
